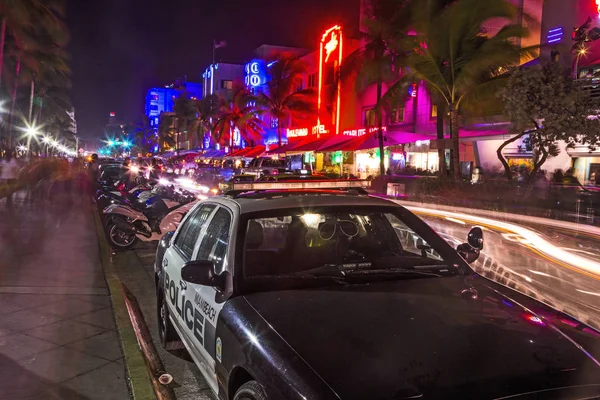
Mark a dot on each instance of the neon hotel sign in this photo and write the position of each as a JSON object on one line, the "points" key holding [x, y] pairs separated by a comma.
{"points": [[321, 130]]}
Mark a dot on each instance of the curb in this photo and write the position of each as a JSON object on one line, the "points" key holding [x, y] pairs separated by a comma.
{"points": [[139, 379]]}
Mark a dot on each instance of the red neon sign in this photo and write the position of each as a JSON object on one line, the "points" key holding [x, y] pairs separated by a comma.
{"points": [[362, 131], [303, 132], [330, 43]]}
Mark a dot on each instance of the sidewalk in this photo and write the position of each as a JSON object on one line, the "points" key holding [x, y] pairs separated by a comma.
{"points": [[58, 338]]}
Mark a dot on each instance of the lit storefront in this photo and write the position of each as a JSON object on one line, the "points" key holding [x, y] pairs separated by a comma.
{"points": [[420, 157]]}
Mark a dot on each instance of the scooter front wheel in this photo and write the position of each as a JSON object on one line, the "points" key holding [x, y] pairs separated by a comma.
{"points": [[118, 238]]}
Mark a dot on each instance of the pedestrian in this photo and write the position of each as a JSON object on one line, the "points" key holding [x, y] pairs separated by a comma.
{"points": [[542, 187], [10, 171], [154, 171], [558, 176]]}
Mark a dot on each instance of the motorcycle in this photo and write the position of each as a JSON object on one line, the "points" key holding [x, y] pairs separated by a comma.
{"points": [[120, 194], [126, 224]]}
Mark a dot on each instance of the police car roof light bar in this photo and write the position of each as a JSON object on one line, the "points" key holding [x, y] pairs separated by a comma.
{"points": [[296, 185]]}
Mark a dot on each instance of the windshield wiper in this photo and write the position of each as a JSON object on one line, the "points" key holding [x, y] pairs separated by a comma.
{"points": [[392, 271]]}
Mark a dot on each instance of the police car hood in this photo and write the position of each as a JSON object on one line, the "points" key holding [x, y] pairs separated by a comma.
{"points": [[436, 337]]}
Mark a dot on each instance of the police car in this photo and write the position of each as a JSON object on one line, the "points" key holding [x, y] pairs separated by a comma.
{"points": [[315, 290]]}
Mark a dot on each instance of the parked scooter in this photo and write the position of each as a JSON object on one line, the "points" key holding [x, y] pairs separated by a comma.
{"points": [[148, 221]]}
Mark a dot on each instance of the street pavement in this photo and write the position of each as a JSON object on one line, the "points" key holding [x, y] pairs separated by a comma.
{"points": [[515, 261], [58, 338], [136, 270]]}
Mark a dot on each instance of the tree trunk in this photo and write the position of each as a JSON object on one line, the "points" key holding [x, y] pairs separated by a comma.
{"points": [[380, 128], [31, 96], [2, 40], [177, 139], [39, 117], [507, 170], [538, 164], [278, 134], [12, 106], [441, 111], [455, 144]]}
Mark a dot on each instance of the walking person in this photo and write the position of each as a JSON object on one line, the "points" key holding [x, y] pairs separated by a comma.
{"points": [[10, 171]]}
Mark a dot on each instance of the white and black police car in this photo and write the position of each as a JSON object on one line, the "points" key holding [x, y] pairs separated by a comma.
{"points": [[303, 290]]}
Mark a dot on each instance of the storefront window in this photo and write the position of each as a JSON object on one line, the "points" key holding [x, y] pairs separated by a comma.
{"points": [[434, 111]]}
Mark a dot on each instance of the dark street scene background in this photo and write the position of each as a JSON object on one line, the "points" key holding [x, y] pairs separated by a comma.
{"points": [[469, 129]]}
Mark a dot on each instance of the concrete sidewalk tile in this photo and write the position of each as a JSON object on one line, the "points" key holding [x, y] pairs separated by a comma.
{"points": [[18, 346], [61, 364], [7, 307], [103, 300], [69, 308], [105, 383], [103, 318], [26, 319], [64, 332], [105, 345], [28, 300]]}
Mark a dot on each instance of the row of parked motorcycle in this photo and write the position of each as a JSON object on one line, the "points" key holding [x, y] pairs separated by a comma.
{"points": [[144, 212]]}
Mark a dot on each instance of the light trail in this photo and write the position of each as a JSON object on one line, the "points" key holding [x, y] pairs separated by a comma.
{"points": [[525, 236]]}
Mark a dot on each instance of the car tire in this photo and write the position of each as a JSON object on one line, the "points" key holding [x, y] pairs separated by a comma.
{"points": [[169, 338], [251, 390]]}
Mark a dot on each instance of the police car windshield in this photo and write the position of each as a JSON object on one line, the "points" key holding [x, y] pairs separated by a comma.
{"points": [[335, 244]]}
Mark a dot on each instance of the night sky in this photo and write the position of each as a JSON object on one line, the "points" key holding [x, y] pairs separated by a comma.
{"points": [[121, 48]]}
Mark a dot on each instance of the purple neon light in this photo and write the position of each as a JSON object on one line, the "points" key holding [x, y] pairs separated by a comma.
{"points": [[555, 35]]}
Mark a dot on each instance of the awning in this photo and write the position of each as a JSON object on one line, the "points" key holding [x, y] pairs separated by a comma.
{"points": [[320, 144], [238, 153], [255, 151], [212, 154], [292, 145], [370, 141]]}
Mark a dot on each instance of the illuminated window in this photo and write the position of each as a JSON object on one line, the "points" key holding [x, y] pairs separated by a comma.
{"points": [[312, 80], [225, 84], [370, 117], [274, 122], [433, 111], [397, 115]]}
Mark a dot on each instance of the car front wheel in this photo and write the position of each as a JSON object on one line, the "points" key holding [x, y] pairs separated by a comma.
{"points": [[251, 390]]}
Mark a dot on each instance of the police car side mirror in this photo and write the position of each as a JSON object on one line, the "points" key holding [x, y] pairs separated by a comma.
{"points": [[467, 252], [475, 238], [470, 251], [202, 272]]}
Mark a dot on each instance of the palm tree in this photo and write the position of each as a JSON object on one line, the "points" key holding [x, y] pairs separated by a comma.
{"points": [[378, 61], [38, 36], [457, 58], [283, 99], [208, 108], [186, 111], [166, 130], [238, 111]]}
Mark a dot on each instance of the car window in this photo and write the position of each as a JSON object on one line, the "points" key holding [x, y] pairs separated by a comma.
{"points": [[214, 244], [190, 230], [296, 242]]}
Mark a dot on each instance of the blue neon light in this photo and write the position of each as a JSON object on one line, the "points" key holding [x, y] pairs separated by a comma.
{"points": [[256, 73]]}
